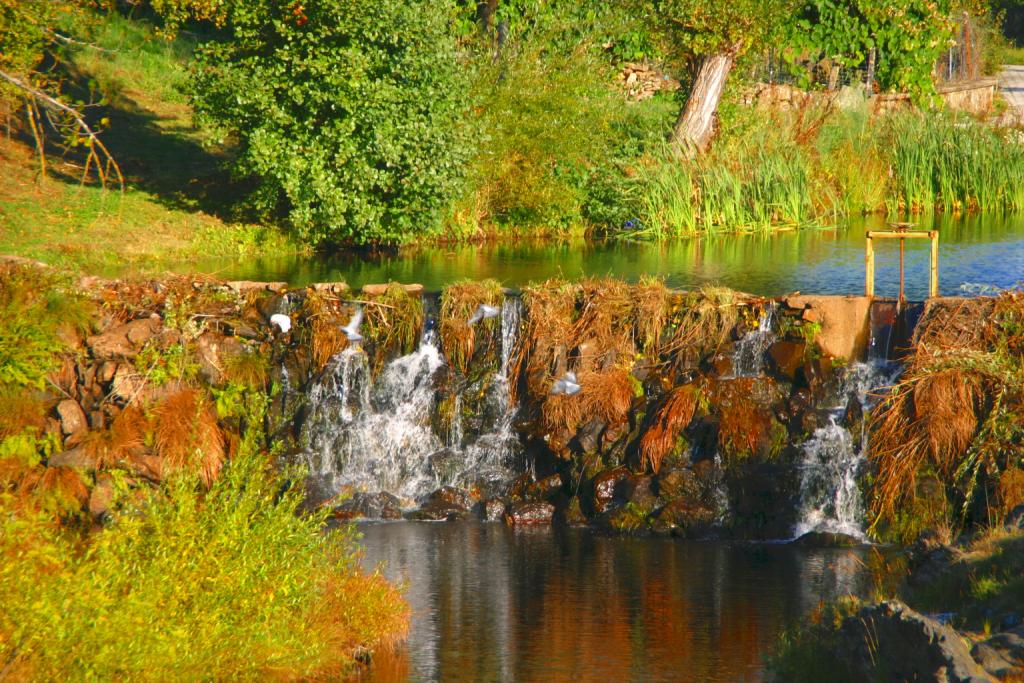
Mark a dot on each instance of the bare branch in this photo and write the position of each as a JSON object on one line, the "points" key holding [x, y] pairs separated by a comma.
{"points": [[60, 37], [97, 150]]}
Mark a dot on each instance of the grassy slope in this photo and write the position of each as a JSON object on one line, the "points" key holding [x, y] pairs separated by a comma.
{"points": [[172, 209]]}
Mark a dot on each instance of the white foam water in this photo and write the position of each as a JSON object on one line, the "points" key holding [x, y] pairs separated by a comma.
{"points": [[830, 499], [372, 435]]}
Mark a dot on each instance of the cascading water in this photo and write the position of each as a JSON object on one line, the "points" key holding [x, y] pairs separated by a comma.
{"points": [[748, 353], [832, 459], [377, 435]]}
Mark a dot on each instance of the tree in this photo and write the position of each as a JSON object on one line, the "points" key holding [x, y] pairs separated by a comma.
{"points": [[908, 36], [713, 34], [348, 113]]}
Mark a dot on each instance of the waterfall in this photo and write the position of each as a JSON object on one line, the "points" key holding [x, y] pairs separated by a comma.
{"points": [[748, 352], [830, 498], [378, 434]]}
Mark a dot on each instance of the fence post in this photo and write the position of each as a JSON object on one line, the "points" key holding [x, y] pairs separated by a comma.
{"points": [[871, 72]]}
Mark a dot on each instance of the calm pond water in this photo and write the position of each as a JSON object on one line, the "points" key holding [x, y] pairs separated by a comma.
{"points": [[492, 603], [974, 250]]}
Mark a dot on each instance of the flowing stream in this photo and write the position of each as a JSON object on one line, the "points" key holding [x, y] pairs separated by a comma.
{"points": [[367, 434], [830, 500]]}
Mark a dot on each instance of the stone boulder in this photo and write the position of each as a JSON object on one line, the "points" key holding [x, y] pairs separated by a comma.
{"points": [[76, 457], [138, 332], [892, 642], [529, 514], [604, 486], [786, 358], [112, 344], [493, 509], [101, 497], [446, 503], [72, 417], [381, 505]]}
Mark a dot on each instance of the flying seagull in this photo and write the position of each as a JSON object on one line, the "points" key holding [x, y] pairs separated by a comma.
{"points": [[352, 329], [283, 322], [567, 386], [483, 312]]}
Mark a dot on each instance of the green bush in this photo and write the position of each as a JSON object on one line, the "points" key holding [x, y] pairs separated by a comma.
{"points": [[348, 114], [184, 584], [555, 134], [34, 309]]}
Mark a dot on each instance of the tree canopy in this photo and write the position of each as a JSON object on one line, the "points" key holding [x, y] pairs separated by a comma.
{"points": [[349, 113]]}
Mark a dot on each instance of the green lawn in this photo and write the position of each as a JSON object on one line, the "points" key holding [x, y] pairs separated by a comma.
{"points": [[174, 207]]}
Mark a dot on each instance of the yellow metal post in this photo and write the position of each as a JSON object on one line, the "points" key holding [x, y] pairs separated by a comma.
{"points": [[869, 266]]}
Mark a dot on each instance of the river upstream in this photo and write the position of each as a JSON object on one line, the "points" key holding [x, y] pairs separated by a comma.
{"points": [[492, 603], [973, 250]]}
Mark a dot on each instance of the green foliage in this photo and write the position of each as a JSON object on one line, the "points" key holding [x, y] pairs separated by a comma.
{"points": [[908, 35], [555, 135], [34, 309], [953, 163], [236, 582], [25, 30], [348, 115], [690, 28]]}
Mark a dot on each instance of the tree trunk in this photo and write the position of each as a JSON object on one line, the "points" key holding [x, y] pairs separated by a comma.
{"points": [[695, 125]]}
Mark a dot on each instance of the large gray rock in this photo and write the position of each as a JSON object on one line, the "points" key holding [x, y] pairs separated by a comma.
{"points": [[892, 642]]}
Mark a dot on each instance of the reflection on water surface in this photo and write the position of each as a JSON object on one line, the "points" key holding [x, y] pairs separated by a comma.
{"points": [[987, 250], [496, 604]]}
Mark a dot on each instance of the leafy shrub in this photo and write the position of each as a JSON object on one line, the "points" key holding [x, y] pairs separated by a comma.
{"points": [[184, 585], [33, 310], [348, 113], [908, 35], [555, 134]]}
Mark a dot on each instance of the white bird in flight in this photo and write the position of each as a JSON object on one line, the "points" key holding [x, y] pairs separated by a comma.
{"points": [[483, 312], [283, 322], [352, 329], [567, 386]]}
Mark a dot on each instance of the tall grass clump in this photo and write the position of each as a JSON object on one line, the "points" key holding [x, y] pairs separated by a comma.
{"points": [[755, 180], [952, 163], [946, 445], [185, 584]]}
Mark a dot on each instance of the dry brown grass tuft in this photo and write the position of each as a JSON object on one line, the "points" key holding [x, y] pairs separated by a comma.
{"points": [[652, 304], [326, 316], [604, 396], [946, 406], [743, 424], [20, 410], [394, 320], [459, 302], [187, 436], [603, 332], [956, 410], [669, 421], [114, 446], [550, 308], [1010, 491], [704, 321]]}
